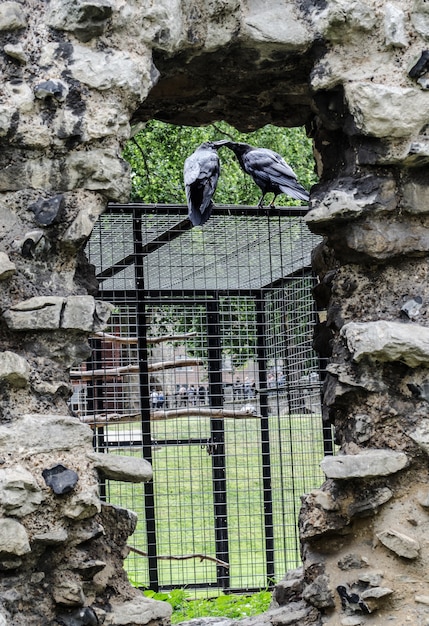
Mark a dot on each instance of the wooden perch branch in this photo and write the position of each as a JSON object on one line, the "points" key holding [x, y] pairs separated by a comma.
{"points": [[201, 412], [133, 340], [133, 369], [168, 365], [202, 557], [101, 419]]}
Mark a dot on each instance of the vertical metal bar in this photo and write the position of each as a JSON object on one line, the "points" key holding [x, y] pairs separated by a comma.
{"points": [[95, 403], [218, 440], [265, 437], [142, 352]]}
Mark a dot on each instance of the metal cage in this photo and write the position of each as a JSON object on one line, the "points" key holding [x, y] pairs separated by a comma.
{"points": [[207, 370]]}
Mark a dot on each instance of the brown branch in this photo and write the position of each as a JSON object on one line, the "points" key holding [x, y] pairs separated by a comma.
{"points": [[222, 132], [105, 418], [129, 369], [202, 557], [133, 340], [196, 411]]}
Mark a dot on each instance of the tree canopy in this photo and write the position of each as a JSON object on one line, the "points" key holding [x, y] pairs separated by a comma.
{"points": [[158, 151]]}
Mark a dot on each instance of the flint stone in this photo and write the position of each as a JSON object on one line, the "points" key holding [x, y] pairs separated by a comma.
{"points": [[387, 342], [14, 369], [126, 468], [35, 434], [13, 538], [387, 111], [51, 89], [140, 610], [48, 210], [85, 18], [367, 464], [60, 479], [394, 27], [12, 17], [19, 491], [399, 543], [7, 268]]}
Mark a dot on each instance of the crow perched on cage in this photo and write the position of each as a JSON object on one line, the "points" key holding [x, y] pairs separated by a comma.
{"points": [[201, 173], [268, 169]]}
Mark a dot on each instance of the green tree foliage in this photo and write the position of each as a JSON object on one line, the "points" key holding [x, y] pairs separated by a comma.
{"points": [[157, 153]]}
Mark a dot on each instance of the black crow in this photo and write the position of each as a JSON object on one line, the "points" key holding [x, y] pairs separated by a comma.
{"points": [[201, 173], [268, 169]]}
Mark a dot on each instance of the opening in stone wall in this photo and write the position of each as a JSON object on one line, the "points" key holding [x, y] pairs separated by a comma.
{"points": [[273, 464]]}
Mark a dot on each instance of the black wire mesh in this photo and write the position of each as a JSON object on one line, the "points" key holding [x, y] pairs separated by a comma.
{"points": [[207, 370]]}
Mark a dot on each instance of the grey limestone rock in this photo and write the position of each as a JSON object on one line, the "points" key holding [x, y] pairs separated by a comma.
{"points": [[399, 543], [12, 16], [394, 26], [84, 18], [7, 268], [364, 465], [126, 468], [139, 611], [388, 341], [14, 369], [13, 538], [19, 491]]}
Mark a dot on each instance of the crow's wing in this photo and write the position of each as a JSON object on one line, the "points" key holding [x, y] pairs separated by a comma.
{"points": [[267, 165], [201, 173], [270, 171]]}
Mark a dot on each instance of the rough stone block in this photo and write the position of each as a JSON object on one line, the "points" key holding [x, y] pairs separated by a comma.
{"points": [[38, 313], [7, 268], [140, 610], [400, 544], [365, 465], [85, 18], [19, 492], [13, 538], [34, 434], [388, 342], [79, 313], [12, 17], [14, 369], [394, 26], [126, 468]]}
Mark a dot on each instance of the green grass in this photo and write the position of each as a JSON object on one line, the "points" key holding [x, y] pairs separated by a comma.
{"points": [[230, 606], [184, 499]]}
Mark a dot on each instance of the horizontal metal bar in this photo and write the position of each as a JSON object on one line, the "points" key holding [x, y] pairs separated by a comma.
{"points": [[220, 209]]}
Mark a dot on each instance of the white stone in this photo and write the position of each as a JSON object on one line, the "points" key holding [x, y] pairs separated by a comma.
{"points": [[421, 436], [387, 110], [140, 610], [375, 593], [34, 434], [394, 26], [103, 71], [82, 505], [19, 491], [13, 538], [364, 465], [7, 268], [336, 204], [78, 313], [125, 468], [12, 17], [388, 342], [279, 24], [99, 170], [38, 313], [401, 544], [16, 51], [14, 369]]}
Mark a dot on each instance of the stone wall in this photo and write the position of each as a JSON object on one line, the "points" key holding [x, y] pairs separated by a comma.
{"points": [[76, 74]]}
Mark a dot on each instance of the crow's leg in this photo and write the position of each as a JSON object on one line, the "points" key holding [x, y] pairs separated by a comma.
{"points": [[272, 205], [261, 202]]}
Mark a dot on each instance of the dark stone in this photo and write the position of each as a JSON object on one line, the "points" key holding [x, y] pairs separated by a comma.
{"points": [[411, 308], [48, 210], [85, 616], [60, 479], [351, 599], [51, 89], [421, 67], [420, 391]]}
